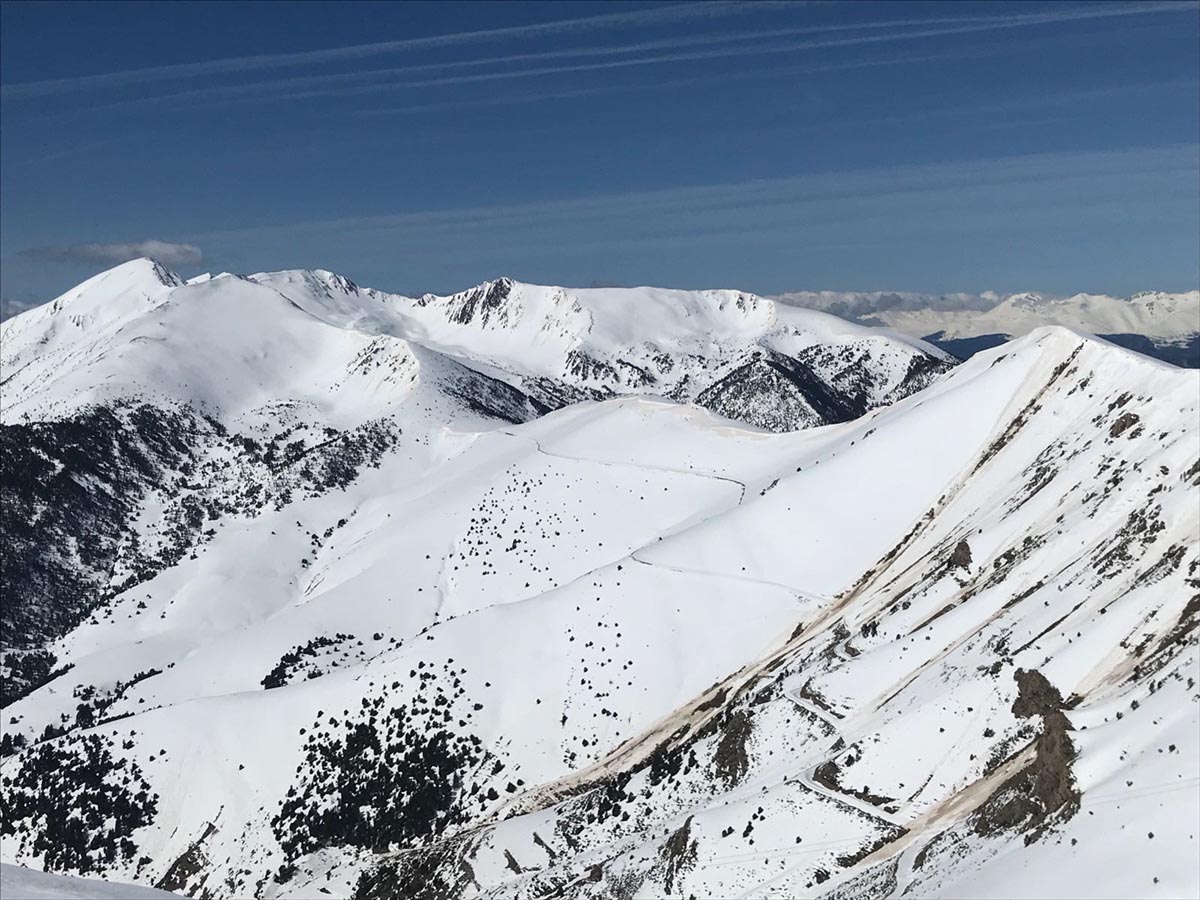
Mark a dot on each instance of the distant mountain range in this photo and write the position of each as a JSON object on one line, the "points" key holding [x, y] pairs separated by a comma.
{"points": [[312, 590], [1165, 326]]}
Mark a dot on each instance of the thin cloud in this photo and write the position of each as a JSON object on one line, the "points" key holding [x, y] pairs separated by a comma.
{"points": [[165, 252], [860, 304], [757, 73], [681, 208], [724, 78], [11, 306], [1074, 98], [341, 85], [329, 80], [661, 15]]}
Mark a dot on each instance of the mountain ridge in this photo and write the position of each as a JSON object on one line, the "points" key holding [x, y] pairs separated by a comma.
{"points": [[941, 647], [573, 344]]}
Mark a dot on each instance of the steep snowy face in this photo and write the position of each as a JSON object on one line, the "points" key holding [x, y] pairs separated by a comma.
{"points": [[625, 648]]}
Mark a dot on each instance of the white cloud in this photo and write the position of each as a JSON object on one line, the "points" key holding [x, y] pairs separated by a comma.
{"points": [[165, 252], [860, 304]]}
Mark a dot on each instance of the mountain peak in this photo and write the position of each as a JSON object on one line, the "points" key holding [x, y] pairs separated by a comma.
{"points": [[1024, 300], [136, 273]]}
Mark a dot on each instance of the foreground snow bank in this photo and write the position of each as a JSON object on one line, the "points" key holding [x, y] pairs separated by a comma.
{"points": [[20, 883]]}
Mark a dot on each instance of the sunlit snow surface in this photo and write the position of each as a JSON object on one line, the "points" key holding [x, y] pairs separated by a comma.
{"points": [[20, 883], [628, 648]]}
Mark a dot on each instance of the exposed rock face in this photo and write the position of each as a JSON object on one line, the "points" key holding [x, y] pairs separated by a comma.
{"points": [[1045, 790], [961, 557]]}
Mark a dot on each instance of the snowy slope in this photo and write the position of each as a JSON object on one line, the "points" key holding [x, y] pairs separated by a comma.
{"points": [[18, 883], [358, 632]]}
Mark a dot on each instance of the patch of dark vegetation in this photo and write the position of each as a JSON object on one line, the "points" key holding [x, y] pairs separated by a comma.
{"points": [[71, 490], [293, 662], [94, 704], [922, 370], [389, 777], [1192, 473], [72, 804], [1044, 792], [68, 492], [586, 367], [10, 743], [1169, 562], [24, 671], [1006, 748], [1012, 557], [553, 394]]}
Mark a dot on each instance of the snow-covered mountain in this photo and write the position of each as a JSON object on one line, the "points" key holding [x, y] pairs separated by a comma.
{"points": [[341, 597], [177, 402], [1159, 324], [734, 353], [116, 334]]}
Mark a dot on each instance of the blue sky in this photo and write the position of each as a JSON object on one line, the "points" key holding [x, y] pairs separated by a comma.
{"points": [[902, 146]]}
